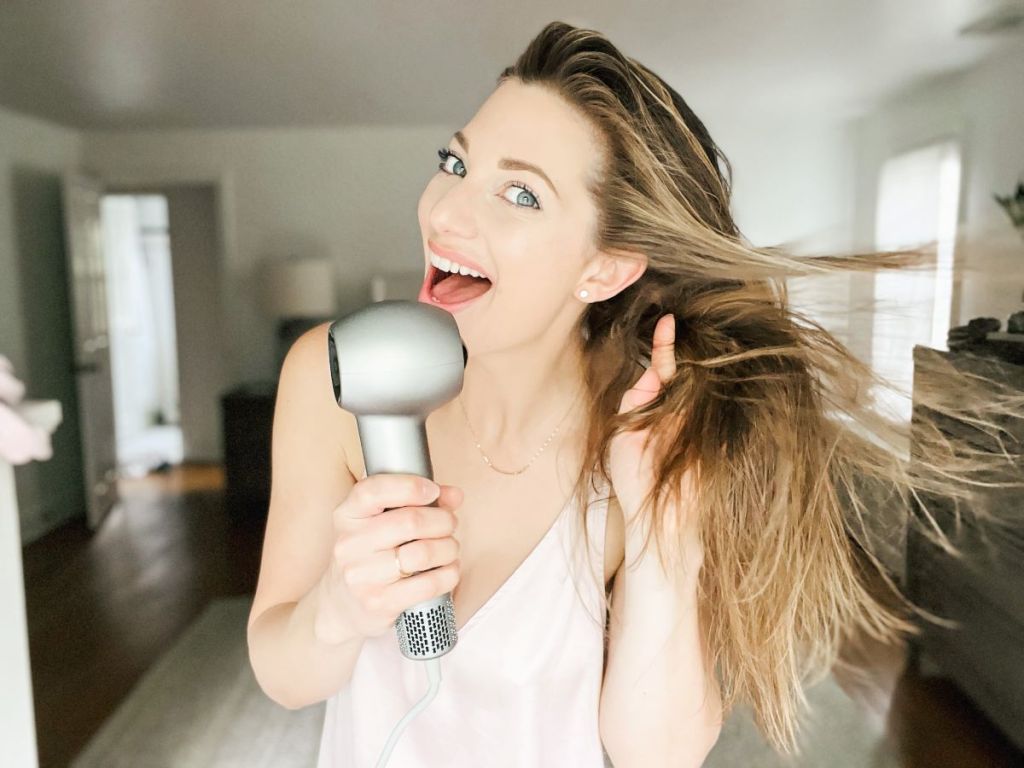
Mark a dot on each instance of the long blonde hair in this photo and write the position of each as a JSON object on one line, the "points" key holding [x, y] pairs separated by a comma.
{"points": [[771, 411]]}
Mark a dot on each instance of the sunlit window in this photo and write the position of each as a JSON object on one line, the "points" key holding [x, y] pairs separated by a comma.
{"points": [[918, 200]]}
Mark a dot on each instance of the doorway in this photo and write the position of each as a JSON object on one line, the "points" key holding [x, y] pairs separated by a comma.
{"points": [[143, 344], [171, 270], [170, 308]]}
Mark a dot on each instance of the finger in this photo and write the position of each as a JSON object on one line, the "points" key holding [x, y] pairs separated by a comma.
{"points": [[645, 390], [424, 554], [414, 557], [373, 494], [398, 526], [450, 500], [663, 349], [451, 497], [422, 586]]}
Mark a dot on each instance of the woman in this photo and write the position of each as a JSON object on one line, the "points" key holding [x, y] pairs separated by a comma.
{"points": [[634, 369]]}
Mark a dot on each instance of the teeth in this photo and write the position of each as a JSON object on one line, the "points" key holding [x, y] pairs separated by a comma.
{"points": [[451, 266]]}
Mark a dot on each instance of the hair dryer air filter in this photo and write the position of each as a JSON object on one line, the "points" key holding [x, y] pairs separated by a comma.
{"points": [[392, 364]]}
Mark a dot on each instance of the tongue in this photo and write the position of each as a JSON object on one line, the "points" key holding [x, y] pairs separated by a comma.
{"points": [[458, 288]]}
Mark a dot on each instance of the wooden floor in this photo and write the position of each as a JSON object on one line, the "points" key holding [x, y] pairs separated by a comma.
{"points": [[103, 607]]}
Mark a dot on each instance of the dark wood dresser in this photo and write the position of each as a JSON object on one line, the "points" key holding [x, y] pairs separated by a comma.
{"points": [[248, 416], [983, 591]]}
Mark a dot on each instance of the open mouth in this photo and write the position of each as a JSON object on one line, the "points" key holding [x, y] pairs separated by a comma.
{"points": [[449, 288]]}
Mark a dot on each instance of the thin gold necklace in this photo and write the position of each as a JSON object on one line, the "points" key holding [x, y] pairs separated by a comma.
{"points": [[487, 459]]}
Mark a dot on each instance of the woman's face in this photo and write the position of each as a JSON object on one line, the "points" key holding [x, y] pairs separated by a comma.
{"points": [[510, 200]]}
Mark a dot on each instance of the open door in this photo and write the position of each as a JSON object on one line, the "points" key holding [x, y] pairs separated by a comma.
{"points": [[87, 277]]}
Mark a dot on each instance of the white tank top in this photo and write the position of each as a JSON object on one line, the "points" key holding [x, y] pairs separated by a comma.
{"points": [[519, 690]]}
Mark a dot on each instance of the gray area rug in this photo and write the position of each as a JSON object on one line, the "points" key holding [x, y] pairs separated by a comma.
{"points": [[200, 707]]}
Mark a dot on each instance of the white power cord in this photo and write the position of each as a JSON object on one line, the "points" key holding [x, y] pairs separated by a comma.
{"points": [[434, 676]]}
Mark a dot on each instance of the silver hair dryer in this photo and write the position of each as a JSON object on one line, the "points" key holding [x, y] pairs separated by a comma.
{"points": [[392, 363]]}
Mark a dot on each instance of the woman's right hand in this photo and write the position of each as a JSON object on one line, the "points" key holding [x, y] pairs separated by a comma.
{"points": [[361, 590]]}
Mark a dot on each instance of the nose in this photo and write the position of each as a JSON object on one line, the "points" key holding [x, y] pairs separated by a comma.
{"points": [[453, 212]]}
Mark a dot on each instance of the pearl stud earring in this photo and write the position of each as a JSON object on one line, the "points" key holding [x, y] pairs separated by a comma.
{"points": [[584, 293]]}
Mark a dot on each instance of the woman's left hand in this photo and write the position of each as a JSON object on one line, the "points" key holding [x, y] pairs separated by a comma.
{"points": [[630, 466]]}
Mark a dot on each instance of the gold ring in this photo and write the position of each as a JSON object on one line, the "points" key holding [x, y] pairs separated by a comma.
{"points": [[401, 573]]}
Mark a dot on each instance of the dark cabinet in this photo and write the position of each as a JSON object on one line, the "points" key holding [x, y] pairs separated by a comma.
{"points": [[983, 592], [248, 416]]}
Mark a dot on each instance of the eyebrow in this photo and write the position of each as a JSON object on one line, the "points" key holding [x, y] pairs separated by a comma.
{"points": [[510, 164]]}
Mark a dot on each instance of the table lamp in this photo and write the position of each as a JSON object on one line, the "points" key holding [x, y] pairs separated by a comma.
{"points": [[300, 293]]}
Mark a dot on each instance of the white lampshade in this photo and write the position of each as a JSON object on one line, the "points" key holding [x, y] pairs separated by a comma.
{"points": [[299, 287]]}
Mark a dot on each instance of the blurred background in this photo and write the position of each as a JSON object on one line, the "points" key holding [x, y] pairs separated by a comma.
{"points": [[187, 186]]}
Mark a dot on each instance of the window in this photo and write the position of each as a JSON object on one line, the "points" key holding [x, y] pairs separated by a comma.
{"points": [[918, 200]]}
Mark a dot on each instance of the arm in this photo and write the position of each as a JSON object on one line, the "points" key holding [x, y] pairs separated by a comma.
{"points": [[660, 705], [310, 477]]}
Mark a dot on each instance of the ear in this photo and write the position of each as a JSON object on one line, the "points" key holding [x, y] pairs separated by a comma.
{"points": [[611, 272]]}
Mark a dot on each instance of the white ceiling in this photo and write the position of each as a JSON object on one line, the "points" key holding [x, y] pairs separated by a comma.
{"points": [[97, 64]]}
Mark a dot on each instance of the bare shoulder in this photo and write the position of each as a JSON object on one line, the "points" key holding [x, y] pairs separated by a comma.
{"points": [[312, 439], [310, 377]]}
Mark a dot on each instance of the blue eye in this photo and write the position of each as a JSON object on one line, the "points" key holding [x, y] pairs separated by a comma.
{"points": [[446, 155], [525, 197]]}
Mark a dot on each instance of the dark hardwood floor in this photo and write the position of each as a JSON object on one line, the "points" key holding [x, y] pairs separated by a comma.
{"points": [[103, 607]]}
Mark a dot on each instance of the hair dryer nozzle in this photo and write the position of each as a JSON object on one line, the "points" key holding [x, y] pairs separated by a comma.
{"points": [[396, 357]]}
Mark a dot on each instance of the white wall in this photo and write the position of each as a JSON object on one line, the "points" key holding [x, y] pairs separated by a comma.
{"points": [[34, 314], [791, 178], [793, 186], [27, 145], [984, 108], [993, 97], [202, 348], [347, 193]]}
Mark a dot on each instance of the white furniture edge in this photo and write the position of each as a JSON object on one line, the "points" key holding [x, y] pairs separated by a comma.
{"points": [[17, 720]]}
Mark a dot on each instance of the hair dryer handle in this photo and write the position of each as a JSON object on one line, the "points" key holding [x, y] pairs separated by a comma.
{"points": [[397, 443], [427, 630]]}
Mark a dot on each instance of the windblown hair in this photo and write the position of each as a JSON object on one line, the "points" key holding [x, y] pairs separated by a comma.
{"points": [[768, 413]]}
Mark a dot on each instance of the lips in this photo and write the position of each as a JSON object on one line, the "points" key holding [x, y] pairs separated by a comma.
{"points": [[451, 291]]}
